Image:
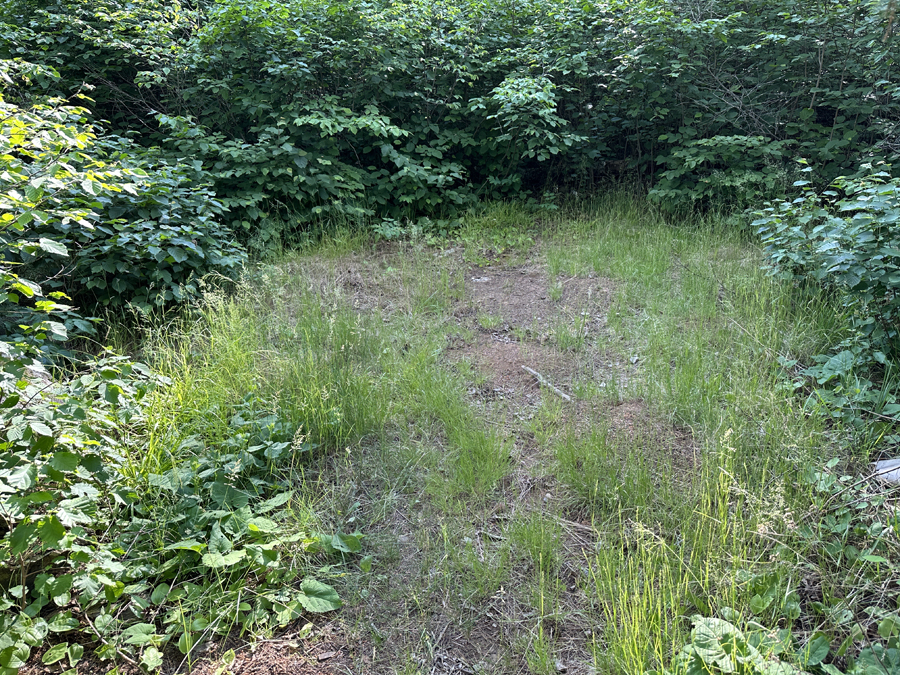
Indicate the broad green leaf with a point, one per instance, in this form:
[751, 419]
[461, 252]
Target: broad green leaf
[815, 650]
[53, 247]
[75, 653]
[217, 560]
[346, 543]
[22, 537]
[177, 254]
[151, 659]
[273, 503]
[187, 545]
[63, 623]
[318, 597]
[35, 634]
[160, 593]
[186, 642]
[15, 657]
[838, 365]
[56, 653]
[227, 496]
[41, 429]
[140, 634]
[59, 589]
[889, 626]
[259, 524]
[22, 477]
[760, 603]
[65, 461]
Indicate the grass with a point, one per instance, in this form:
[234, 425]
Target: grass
[535, 533]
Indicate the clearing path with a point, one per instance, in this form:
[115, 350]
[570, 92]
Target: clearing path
[571, 424]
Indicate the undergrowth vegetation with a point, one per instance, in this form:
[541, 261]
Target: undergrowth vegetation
[157, 510]
[282, 211]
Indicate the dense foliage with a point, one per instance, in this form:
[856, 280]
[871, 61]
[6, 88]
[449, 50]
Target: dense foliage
[846, 239]
[399, 110]
[106, 222]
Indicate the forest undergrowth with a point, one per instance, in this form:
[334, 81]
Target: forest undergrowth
[667, 502]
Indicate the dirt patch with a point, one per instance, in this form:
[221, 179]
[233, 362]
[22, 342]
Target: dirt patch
[526, 297]
[481, 648]
[633, 421]
[431, 630]
[411, 611]
[326, 654]
[501, 359]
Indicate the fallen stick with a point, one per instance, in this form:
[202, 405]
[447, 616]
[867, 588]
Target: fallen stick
[540, 378]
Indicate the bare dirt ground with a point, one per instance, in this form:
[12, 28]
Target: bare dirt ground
[323, 652]
[501, 319]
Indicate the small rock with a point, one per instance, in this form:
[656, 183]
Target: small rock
[888, 470]
[404, 539]
[324, 656]
[560, 666]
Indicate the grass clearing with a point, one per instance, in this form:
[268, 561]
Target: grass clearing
[512, 530]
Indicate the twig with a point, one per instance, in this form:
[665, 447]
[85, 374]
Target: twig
[90, 623]
[540, 378]
[578, 526]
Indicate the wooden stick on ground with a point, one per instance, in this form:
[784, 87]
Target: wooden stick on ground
[540, 378]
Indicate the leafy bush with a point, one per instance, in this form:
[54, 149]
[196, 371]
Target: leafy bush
[725, 171]
[97, 218]
[847, 239]
[151, 244]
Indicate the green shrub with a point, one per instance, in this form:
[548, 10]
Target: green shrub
[150, 245]
[399, 110]
[723, 171]
[846, 239]
[96, 218]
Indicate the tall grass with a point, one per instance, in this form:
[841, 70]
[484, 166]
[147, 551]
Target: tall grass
[680, 524]
[336, 374]
[709, 327]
